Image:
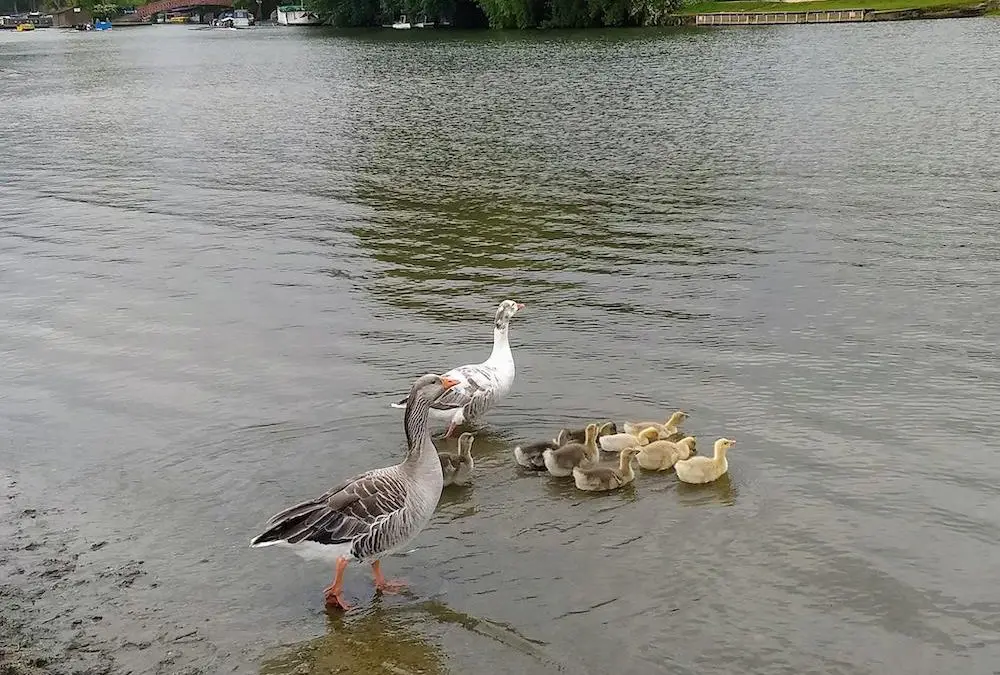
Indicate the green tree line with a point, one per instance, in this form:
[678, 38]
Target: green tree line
[461, 13]
[100, 8]
[500, 13]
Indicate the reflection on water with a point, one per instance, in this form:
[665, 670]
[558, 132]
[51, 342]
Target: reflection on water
[457, 501]
[444, 254]
[463, 216]
[721, 492]
[382, 641]
[408, 640]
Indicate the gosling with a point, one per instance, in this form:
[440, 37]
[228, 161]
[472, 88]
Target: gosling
[456, 468]
[662, 455]
[666, 430]
[705, 469]
[602, 478]
[561, 461]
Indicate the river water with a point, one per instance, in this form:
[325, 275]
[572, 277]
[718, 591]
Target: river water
[224, 253]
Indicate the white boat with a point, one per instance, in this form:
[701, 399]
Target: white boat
[239, 18]
[402, 24]
[297, 15]
[425, 23]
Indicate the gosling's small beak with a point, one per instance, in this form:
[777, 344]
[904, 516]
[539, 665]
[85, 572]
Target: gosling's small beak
[448, 382]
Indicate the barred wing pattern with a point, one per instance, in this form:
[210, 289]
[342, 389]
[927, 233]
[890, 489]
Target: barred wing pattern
[478, 388]
[367, 510]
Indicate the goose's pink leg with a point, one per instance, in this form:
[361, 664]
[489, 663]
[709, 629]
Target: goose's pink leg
[384, 585]
[334, 592]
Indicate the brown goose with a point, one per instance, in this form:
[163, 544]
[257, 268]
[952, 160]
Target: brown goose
[373, 514]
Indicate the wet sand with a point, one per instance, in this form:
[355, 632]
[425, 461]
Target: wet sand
[69, 609]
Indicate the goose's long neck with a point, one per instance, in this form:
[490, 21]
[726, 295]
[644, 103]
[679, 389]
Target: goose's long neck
[719, 454]
[501, 344]
[418, 435]
[628, 473]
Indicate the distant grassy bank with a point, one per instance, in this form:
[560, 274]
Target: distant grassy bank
[878, 5]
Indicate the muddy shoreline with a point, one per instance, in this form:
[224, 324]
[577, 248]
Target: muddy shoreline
[72, 606]
[69, 610]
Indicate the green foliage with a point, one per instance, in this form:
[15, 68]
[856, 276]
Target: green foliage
[56, 5]
[99, 9]
[378, 12]
[510, 13]
[575, 13]
[348, 12]
[104, 10]
[499, 13]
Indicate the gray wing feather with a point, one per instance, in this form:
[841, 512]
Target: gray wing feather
[479, 404]
[355, 510]
[612, 478]
[477, 382]
[602, 473]
[534, 453]
[308, 506]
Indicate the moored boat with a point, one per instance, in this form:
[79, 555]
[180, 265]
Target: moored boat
[237, 18]
[297, 15]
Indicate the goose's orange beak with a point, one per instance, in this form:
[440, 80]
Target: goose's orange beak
[448, 382]
[520, 306]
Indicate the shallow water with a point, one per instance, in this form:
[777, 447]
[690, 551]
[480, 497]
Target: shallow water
[227, 252]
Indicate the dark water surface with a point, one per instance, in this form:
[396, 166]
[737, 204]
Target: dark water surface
[227, 252]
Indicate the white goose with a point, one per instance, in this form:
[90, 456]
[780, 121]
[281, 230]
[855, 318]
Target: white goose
[373, 514]
[481, 385]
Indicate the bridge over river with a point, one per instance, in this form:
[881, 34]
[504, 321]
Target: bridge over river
[145, 12]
